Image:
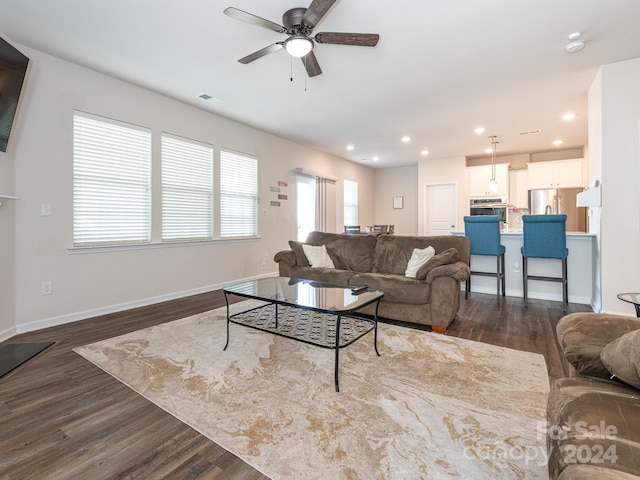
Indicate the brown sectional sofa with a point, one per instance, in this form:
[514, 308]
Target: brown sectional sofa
[380, 261]
[594, 416]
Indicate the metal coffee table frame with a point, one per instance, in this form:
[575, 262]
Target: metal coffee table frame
[283, 291]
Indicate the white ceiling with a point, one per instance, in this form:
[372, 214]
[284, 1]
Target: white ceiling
[441, 67]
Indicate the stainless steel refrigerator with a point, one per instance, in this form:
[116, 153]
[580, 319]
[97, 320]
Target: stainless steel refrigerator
[559, 201]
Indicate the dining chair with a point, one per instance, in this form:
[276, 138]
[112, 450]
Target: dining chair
[352, 229]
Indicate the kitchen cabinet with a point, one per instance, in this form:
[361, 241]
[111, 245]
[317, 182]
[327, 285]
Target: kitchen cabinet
[518, 188]
[557, 174]
[478, 181]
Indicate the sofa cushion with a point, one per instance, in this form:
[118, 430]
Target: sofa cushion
[588, 417]
[348, 252]
[418, 258]
[450, 255]
[301, 258]
[327, 275]
[317, 256]
[583, 335]
[392, 252]
[591, 472]
[396, 288]
[622, 358]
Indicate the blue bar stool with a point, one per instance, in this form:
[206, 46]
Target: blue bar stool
[545, 236]
[484, 233]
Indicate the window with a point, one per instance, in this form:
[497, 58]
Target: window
[187, 189]
[350, 202]
[238, 195]
[111, 182]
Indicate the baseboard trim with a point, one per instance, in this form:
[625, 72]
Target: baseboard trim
[7, 334]
[96, 312]
[533, 295]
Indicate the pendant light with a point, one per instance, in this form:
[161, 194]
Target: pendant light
[493, 184]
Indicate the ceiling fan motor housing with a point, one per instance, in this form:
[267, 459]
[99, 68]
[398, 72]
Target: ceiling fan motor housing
[293, 17]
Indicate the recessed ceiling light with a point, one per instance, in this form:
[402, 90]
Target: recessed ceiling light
[479, 130]
[406, 139]
[350, 147]
[575, 44]
[375, 159]
[424, 153]
[557, 142]
[567, 117]
[488, 150]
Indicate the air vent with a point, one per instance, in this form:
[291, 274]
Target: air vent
[531, 132]
[209, 98]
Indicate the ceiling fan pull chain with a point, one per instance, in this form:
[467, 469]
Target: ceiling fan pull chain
[304, 60]
[291, 66]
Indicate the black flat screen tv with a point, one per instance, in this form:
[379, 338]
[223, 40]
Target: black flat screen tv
[13, 68]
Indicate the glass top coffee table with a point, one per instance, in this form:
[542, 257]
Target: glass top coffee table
[316, 313]
[631, 298]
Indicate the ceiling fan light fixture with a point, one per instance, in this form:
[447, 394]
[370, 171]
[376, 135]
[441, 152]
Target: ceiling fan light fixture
[298, 45]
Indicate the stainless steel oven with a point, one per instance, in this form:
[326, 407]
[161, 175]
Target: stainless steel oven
[489, 206]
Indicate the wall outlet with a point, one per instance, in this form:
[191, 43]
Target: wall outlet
[516, 266]
[46, 288]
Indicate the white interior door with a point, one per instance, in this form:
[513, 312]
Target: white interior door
[441, 209]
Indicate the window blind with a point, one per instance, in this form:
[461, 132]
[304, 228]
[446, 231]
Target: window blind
[238, 195]
[187, 189]
[111, 182]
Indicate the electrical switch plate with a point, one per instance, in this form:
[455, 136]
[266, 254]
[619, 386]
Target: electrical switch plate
[46, 209]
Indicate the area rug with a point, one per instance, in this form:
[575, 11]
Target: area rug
[430, 407]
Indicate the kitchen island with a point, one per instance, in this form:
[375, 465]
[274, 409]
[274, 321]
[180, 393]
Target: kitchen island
[580, 265]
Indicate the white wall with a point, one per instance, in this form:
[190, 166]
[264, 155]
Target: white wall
[618, 146]
[397, 182]
[92, 283]
[7, 244]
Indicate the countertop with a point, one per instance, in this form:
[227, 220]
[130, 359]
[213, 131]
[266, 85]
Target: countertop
[518, 232]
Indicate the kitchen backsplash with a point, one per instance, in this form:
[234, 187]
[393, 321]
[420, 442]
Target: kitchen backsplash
[514, 219]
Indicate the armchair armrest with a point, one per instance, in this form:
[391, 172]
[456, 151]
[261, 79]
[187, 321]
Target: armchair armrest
[459, 271]
[286, 260]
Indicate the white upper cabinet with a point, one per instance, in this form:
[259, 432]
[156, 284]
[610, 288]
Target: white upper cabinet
[478, 180]
[518, 188]
[558, 174]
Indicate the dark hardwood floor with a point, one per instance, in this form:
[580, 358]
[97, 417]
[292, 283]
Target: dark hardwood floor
[62, 418]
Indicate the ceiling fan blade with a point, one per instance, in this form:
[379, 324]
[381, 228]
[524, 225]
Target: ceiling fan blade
[253, 19]
[357, 39]
[316, 11]
[261, 53]
[311, 64]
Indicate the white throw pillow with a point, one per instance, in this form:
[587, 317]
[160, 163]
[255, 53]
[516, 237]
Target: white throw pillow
[317, 256]
[418, 259]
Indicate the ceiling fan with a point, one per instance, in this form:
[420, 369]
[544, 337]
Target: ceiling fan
[298, 24]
